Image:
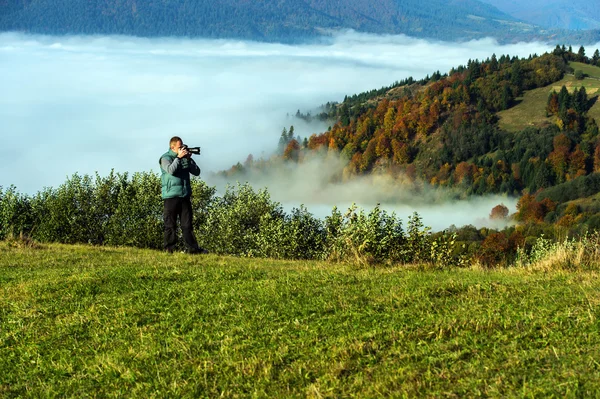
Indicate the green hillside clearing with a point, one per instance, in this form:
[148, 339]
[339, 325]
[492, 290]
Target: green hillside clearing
[589, 70]
[112, 322]
[531, 109]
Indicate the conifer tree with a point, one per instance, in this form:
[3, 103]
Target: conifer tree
[283, 141]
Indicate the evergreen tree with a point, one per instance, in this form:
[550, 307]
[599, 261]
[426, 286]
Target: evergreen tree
[507, 97]
[283, 141]
[544, 177]
[581, 54]
[517, 76]
[580, 101]
[558, 51]
[494, 63]
[564, 99]
[344, 114]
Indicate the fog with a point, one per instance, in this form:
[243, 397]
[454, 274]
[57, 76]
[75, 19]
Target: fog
[91, 104]
[317, 184]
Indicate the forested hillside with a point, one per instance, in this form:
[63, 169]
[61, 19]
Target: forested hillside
[443, 131]
[285, 20]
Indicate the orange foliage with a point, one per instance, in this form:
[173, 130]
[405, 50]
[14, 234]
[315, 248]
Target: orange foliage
[493, 249]
[499, 212]
[531, 210]
[464, 170]
[291, 152]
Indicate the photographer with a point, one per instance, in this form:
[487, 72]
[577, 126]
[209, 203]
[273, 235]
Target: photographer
[176, 166]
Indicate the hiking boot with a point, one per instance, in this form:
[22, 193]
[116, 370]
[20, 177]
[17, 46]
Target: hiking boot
[197, 251]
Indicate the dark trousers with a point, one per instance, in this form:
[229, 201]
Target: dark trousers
[182, 208]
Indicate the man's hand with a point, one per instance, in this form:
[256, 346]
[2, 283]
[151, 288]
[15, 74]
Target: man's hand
[182, 152]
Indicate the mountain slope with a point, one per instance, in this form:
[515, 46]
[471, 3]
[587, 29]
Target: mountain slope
[283, 20]
[562, 14]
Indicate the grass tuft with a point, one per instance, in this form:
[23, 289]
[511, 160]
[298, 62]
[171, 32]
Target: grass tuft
[568, 254]
[22, 241]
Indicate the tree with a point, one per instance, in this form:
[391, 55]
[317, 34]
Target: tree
[543, 178]
[494, 250]
[579, 75]
[552, 104]
[564, 99]
[577, 163]
[283, 141]
[499, 212]
[493, 63]
[291, 152]
[580, 100]
[581, 54]
[517, 76]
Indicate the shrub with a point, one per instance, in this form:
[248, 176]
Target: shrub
[233, 222]
[137, 217]
[296, 236]
[15, 213]
[119, 210]
[365, 239]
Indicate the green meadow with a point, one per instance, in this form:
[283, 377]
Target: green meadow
[531, 108]
[82, 321]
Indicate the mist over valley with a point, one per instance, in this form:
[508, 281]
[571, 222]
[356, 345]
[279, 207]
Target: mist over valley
[86, 104]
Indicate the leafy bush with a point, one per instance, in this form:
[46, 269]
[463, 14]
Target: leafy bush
[233, 221]
[137, 218]
[15, 213]
[122, 210]
[296, 236]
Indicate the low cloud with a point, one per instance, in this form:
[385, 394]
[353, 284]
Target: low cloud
[319, 184]
[85, 104]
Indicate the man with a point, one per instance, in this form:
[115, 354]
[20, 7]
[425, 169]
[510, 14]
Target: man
[176, 166]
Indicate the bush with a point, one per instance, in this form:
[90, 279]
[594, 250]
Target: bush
[119, 210]
[15, 213]
[233, 221]
[137, 218]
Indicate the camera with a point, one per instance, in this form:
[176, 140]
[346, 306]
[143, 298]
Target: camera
[191, 150]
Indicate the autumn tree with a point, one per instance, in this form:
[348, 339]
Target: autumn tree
[292, 151]
[494, 250]
[499, 212]
[552, 104]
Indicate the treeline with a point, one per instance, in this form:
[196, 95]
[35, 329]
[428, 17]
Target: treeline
[568, 54]
[285, 20]
[122, 210]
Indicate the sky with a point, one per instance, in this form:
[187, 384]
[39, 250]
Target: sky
[87, 104]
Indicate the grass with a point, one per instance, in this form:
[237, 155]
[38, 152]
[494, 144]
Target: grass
[531, 109]
[114, 322]
[589, 70]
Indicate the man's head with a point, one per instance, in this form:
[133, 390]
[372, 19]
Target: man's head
[175, 143]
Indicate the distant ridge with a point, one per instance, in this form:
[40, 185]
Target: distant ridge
[283, 20]
[557, 14]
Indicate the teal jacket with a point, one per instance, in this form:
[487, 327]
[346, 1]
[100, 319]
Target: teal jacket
[175, 177]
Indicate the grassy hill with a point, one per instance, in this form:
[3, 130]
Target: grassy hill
[116, 322]
[531, 108]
